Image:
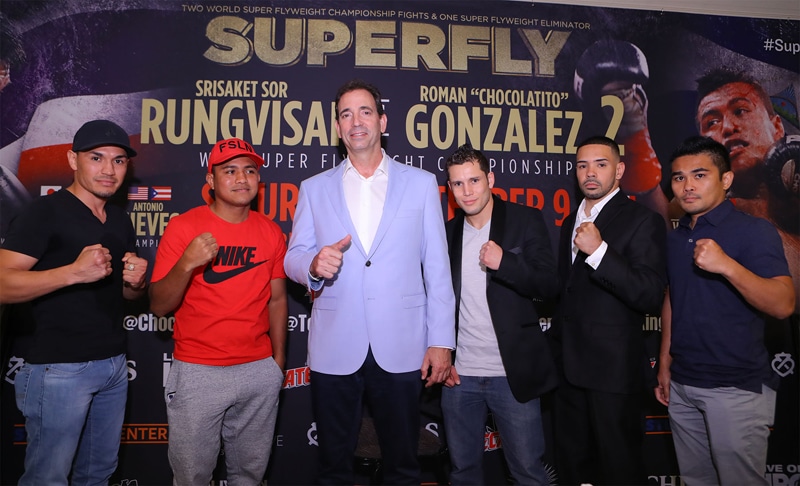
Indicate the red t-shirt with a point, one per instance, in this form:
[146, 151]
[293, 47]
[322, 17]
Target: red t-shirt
[224, 318]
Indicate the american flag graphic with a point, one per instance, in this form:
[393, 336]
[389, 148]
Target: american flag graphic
[138, 193]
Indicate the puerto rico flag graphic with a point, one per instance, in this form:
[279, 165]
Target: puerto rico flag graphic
[161, 193]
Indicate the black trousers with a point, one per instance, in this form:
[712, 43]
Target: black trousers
[393, 400]
[598, 437]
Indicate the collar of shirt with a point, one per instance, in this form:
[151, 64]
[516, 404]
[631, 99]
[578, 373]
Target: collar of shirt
[484, 229]
[713, 217]
[351, 171]
[598, 206]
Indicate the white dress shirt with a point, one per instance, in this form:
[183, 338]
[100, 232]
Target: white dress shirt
[365, 197]
[596, 257]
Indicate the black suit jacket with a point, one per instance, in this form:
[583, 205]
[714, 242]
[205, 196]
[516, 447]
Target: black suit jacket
[598, 322]
[527, 271]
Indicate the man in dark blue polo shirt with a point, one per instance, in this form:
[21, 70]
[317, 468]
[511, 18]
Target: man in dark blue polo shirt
[726, 272]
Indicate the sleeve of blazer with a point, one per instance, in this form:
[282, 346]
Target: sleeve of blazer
[529, 269]
[440, 317]
[637, 276]
[303, 242]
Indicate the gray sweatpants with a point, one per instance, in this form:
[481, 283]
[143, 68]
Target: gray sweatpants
[237, 404]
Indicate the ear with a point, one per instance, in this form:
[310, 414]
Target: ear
[210, 179]
[620, 169]
[490, 176]
[72, 157]
[778, 124]
[384, 121]
[727, 180]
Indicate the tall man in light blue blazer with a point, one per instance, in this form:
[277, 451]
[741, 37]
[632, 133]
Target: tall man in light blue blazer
[368, 239]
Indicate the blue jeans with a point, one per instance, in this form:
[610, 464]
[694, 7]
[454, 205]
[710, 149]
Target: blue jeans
[465, 409]
[73, 420]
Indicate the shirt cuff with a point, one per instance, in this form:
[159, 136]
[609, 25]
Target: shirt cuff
[596, 257]
[314, 283]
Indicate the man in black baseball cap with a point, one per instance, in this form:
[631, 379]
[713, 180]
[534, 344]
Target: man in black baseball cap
[73, 257]
[101, 132]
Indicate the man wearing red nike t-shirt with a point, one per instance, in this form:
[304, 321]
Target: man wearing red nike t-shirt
[220, 268]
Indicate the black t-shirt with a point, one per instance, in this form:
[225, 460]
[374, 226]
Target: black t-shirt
[80, 322]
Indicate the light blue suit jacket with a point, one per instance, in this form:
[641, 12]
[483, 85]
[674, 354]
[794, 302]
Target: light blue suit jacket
[398, 298]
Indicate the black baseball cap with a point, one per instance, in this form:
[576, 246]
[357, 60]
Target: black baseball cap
[97, 133]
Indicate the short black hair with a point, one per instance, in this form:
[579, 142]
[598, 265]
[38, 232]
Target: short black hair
[355, 84]
[601, 140]
[464, 154]
[719, 77]
[697, 145]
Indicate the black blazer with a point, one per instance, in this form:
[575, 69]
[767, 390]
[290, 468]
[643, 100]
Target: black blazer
[598, 322]
[527, 271]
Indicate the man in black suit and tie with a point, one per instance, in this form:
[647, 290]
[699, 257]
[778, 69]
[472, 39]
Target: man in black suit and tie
[612, 272]
[500, 259]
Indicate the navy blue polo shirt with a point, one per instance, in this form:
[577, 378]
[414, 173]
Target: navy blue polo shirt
[717, 337]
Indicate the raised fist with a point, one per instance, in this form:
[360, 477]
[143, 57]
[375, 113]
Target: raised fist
[783, 166]
[606, 62]
[783, 180]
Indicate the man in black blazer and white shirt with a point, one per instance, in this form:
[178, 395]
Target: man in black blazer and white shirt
[501, 259]
[612, 272]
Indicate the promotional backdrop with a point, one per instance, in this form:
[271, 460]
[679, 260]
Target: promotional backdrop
[178, 76]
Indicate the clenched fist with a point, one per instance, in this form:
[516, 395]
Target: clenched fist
[587, 238]
[709, 256]
[491, 254]
[93, 264]
[201, 250]
[133, 270]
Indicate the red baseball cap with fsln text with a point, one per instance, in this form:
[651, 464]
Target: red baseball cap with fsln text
[230, 148]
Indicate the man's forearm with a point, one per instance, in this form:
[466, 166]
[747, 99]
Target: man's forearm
[167, 293]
